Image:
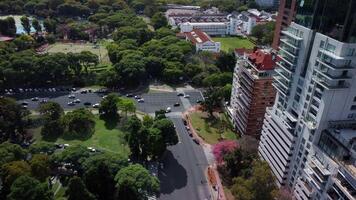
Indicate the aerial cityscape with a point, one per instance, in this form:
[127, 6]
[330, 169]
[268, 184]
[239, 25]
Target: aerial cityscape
[177, 99]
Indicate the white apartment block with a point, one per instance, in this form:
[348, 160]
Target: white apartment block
[309, 135]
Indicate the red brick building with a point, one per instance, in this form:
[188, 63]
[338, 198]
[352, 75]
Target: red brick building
[286, 14]
[252, 91]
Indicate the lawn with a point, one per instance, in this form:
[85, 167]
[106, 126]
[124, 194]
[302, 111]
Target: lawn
[99, 50]
[212, 130]
[104, 138]
[230, 43]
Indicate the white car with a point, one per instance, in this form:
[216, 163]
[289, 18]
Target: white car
[168, 109]
[71, 96]
[96, 105]
[141, 100]
[66, 145]
[77, 101]
[186, 96]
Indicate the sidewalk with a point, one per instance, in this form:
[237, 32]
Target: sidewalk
[218, 192]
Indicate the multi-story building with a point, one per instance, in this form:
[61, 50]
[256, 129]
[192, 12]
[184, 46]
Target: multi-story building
[202, 41]
[308, 136]
[286, 13]
[252, 91]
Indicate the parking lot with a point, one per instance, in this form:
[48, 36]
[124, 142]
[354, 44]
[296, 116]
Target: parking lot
[152, 101]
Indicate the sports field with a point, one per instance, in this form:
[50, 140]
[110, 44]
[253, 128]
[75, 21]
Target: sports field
[230, 43]
[99, 49]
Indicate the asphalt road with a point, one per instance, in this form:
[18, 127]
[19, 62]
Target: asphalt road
[183, 175]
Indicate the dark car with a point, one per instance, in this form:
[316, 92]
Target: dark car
[176, 104]
[190, 134]
[129, 95]
[180, 94]
[25, 103]
[184, 122]
[87, 103]
[196, 141]
[199, 101]
[84, 91]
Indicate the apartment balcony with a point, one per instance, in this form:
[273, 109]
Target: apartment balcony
[283, 81]
[343, 189]
[332, 84]
[290, 43]
[333, 66]
[280, 90]
[327, 74]
[291, 60]
[290, 51]
[282, 73]
[284, 65]
[291, 36]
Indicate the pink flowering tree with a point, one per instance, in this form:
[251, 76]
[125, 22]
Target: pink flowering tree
[222, 148]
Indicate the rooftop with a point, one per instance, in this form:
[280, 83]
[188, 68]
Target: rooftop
[263, 59]
[198, 36]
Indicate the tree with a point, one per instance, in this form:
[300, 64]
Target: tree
[77, 190]
[79, 123]
[155, 144]
[158, 20]
[51, 111]
[127, 106]
[36, 25]
[11, 171]
[51, 130]
[75, 155]
[168, 131]
[259, 186]
[11, 121]
[136, 181]
[222, 148]
[25, 22]
[226, 61]
[108, 106]
[24, 42]
[50, 25]
[28, 188]
[131, 68]
[134, 137]
[11, 152]
[264, 33]
[218, 79]
[87, 59]
[42, 147]
[100, 181]
[212, 100]
[40, 166]
[8, 26]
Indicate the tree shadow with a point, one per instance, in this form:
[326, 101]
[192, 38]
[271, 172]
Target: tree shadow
[173, 176]
[110, 121]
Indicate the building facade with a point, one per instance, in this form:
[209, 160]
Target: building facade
[252, 91]
[202, 41]
[308, 136]
[286, 14]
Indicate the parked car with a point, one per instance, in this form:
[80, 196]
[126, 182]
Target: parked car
[71, 96]
[70, 103]
[25, 103]
[180, 94]
[190, 134]
[186, 96]
[177, 104]
[43, 101]
[77, 101]
[185, 122]
[199, 101]
[96, 105]
[141, 100]
[87, 103]
[129, 95]
[137, 97]
[196, 141]
[34, 99]
[187, 127]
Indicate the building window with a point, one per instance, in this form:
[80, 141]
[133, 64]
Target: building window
[353, 107]
[322, 44]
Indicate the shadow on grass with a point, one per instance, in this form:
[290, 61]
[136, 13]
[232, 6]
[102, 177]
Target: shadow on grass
[111, 121]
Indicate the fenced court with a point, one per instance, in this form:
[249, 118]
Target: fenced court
[97, 49]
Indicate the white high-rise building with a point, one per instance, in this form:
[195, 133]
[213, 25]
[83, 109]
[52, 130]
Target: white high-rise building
[309, 135]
